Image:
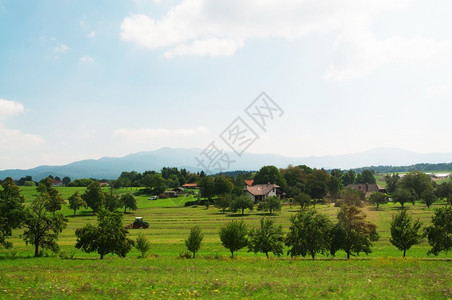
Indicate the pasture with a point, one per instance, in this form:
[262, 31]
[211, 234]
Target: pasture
[162, 274]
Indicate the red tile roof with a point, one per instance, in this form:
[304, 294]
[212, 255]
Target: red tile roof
[261, 189]
[249, 182]
[187, 185]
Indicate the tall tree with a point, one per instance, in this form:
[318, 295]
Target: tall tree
[353, 233]
[109, 236]
[55, 200]
[334, 185]
[349, 177]
[207, 187]
[267, 238]
[270, 174]
[11, 210]
[366, 176]
[429, 197]
[317, 184]
[391, 182]
[94, 197]
[233, 236]
[42, 228]
[155, 182]
[66, 180]
[222, 185]
[439, 233]
[309, 233]
[76, 202]
[129, 201]
[418, 182]
[405, 233]
[444, 190]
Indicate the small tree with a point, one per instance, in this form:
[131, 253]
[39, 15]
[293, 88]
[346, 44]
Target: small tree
[129, 201]
[439, 233]
[309, 233]
[94, 197]
[109, 236]
[42, 229]
[223, 202]
[11, 210]
[55, 200]
[193, 243]
[303, 200]
[242, 203]
[270, 204]
[233, 236]
[378, 198]
[142, 244]
[429, 198]
[267, 238]
[405, 233]
[76, 202]
[403, 195]
[112, 201]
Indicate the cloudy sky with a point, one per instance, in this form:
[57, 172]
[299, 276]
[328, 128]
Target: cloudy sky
[87, 79]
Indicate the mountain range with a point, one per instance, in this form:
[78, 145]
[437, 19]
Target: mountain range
[111, 167]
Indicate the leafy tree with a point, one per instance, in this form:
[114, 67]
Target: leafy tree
[439, 233]
[109, 236]
[267, 238]
[112, 202]
[317, 184]
[378, 198]
[403, 195]
[22, 180]
[334, 185]
[366, 176]
[224, 201]
[142, 244]
[42, 228]
[55, 200]
[444, 190]
[155, 182]
[222, 185]
[242, 203]
[270, 204]
[270, 174]
[207, 187]
[429, 197]
[309, 233]
[193, 243]
[129, 201]
[66, 180]
[29, 183]
[76, 202]
[352, 233]
[351, 196]
[349, 177]
[391, 182]
[94, 197]
[303, 200]
[417, 182]
[405, 233]
[233, 236]
[11, 210]
[296, 179]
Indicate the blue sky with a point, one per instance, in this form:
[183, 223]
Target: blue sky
[88, 79]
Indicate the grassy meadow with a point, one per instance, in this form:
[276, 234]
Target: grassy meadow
[162, 274]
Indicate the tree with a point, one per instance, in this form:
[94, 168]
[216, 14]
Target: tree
[222, 185]
[142, 244]
[317, 184]
[193, 243]
[351, 196]
[303, 200]
[378, 198]
[42, 229]
[128, 201]
[76, 202]
[55, 200]
[403, 195]
[94, 197]
[417, 182]
[267, 238]
[242, 203]
[352, 233]
[109, 236]
[405, 233]
[233, 236]
[270, 204]
[155, 182]
[444, 190]
[349, 178]
[366, 176]
[309, 233]
[207, 187]
[429, 197]
[224, 201]
[270, 174]
[334, 185]
[112, 201]
[11, 210]
[391, 182]
[66, 180]
[439, 233]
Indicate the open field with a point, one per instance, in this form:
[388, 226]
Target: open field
[382, 274]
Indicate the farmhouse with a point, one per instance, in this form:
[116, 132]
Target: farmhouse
[259, 192]
[367, 188]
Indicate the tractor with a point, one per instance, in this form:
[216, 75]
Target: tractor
[138, 223]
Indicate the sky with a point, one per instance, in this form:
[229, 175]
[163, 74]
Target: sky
[90, 79]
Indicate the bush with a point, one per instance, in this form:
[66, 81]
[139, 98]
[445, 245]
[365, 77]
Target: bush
[142, 245]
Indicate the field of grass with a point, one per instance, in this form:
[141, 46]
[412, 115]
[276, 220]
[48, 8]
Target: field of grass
[382, 274]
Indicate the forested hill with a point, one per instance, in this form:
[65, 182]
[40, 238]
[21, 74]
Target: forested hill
[415, 167]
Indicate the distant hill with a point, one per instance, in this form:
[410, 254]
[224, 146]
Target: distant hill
[111, 167]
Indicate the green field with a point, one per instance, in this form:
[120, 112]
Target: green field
[382, 274]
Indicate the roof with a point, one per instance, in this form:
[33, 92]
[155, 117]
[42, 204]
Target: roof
[365, 187]
[260, 189]
[190, 185]
[249, 182]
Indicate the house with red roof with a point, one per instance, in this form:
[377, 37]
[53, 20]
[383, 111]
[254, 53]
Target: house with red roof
[259, 192]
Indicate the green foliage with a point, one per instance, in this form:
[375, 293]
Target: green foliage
[334, 185]
[193, 243]
[270, 204]
[366, 176]
[142, 244]
[128, 201]
[444, 190]
[267, 238]
[207, 187]
[403, 195]
[233, 236]
[55, 200]
[349, 178]
[317, 184]
[155, 182]
[378, 198]
[391, 182]
[429, 197]
[11, 210]
[240, 203]
[270, 174]
[112, 202]
[405, 233]
[224, 201]
[82, 182]
[439, 233]
[109, 236]
[303, 199]
[66, 180]
[222, 185]
[417, 182]
[76, 202]
[94, 197]
[351, 196]
[353, 233]
[309, 233]
[42, 229]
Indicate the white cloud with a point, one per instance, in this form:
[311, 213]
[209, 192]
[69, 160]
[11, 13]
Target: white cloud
[202, 27]
[91, 35]
[441, 90]
[86, 59]
[12, 139]
[152, 133]
[10, 108]
[61, 48]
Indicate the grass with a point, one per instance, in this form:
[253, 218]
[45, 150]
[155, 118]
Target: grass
[382, 274]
